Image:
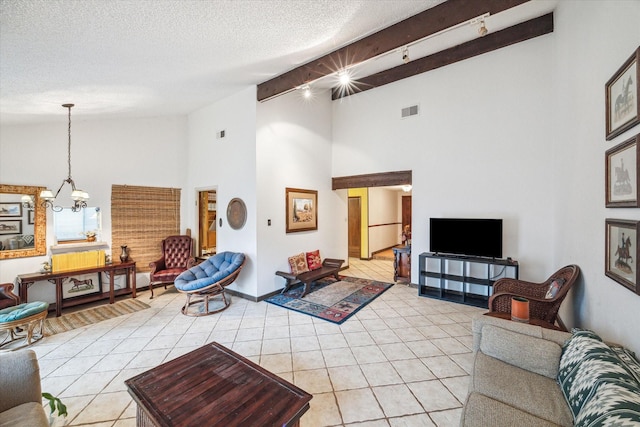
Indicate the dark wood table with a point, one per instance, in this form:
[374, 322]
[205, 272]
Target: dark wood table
[532, 321]
[213, 386]
[402, 264]
[128, 268]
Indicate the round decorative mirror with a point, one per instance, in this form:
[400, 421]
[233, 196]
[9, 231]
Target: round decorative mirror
[236, 213]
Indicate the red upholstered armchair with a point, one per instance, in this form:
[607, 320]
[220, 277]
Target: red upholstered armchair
[7, 297]
[177, 256]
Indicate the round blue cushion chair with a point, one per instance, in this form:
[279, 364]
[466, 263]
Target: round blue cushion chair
[208, 279]
[30, 315]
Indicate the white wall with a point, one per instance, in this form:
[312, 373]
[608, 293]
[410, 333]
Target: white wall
[228, 164]
[475, 149]
[294, 150]
[586, 59]
[147, 152]
[384, 232]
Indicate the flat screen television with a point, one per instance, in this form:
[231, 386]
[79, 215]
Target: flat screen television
[466, 236]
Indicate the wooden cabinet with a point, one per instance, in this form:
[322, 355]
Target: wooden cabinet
[402, 264]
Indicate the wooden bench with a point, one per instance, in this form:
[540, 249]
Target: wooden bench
[330, 267]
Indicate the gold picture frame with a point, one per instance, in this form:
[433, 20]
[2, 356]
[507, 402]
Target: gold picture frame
[301, 210]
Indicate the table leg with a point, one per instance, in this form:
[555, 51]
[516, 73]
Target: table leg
[59, 296]
[133, 281]
[23, 291]
[111, 284]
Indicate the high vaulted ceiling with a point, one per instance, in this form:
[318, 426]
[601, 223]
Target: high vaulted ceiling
[140, 58]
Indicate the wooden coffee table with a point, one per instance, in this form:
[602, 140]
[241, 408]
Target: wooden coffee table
[214, 386]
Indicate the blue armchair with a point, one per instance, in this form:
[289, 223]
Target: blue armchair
[208, 279]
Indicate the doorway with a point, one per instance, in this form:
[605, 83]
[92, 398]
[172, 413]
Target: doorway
[207, 212]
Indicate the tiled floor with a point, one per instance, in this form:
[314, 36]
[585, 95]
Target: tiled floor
[401, 361]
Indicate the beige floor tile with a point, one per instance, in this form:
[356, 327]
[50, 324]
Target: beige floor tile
[379, 374]
[304, 360]
[275, 346]
[105, 407]
[347, 378]
[358, 405]
[368, 354]
[357, 339]
[419, 420]
[433, 395]
[313, 381]
[304, 343]
[443, 366]
[448, 418]
[397, 400]
[276, 363]
[412, 370]
[450, 345]
[328, 342]
[397, 351]
[338, 357]
[323, 411]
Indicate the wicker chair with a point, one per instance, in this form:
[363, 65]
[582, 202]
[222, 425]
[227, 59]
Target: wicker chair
[540, 307]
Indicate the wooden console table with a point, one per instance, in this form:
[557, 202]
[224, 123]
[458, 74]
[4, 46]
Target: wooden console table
[402, 264]
[214, 386]
[128, 268]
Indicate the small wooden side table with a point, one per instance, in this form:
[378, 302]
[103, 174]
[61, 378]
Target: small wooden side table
[402, 264]
[213, 386]
[532, 321]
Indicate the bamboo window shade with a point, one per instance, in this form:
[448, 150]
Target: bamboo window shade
[141, 217]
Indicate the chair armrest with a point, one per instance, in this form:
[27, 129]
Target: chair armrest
[191, 262]
[6, 293]
[332, 262]
[19, 379]
[157, 265]
[288, 276]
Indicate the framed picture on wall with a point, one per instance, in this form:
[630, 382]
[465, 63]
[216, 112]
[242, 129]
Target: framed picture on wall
[302, 210]
[10, 226]
[31, 216]
[622, 92]
[10, 210]
[81, 284]
[622, 177]
[621, 252]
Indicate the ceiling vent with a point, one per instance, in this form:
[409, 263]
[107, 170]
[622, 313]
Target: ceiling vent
[409, 111]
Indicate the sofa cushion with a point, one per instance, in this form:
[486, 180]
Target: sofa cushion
[483, 411]
[298, 263]
[586, 363]
[531, 353]
[28, 414]
[612, 403]
[529, 392]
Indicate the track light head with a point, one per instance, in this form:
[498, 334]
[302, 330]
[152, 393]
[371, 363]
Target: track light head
[405, 55]
[483, 29]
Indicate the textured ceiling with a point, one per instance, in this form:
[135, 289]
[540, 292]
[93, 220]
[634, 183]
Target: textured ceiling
[144, 58]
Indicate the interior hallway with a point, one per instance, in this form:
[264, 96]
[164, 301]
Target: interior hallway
[403, 360]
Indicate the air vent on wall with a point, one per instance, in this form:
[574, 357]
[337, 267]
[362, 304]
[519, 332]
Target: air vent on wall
[409, 111]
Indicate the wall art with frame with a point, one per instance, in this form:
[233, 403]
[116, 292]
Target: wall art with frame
[81, 284]
[622, 175]
[10, 226]
[301, 210]
[621, 252]
[10, 210]
[622, 92]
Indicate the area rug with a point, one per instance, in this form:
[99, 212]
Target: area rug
[67, 322]
[331, 300]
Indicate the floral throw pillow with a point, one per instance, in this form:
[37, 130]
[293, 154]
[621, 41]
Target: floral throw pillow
[298, 263]
[313, 260]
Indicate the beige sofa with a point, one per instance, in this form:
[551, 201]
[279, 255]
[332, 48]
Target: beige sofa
[20, 390]
[521, 374]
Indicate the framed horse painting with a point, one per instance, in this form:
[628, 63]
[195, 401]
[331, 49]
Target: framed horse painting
[81, 284]
[622, 93]
[622, 174]
[621, 252]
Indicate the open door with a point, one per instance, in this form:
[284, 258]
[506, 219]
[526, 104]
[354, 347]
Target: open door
[207, 222]
[354, 227]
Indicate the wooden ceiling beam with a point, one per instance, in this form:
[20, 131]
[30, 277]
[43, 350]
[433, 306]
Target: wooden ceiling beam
[383, 179]
[417, 27]
[527, 30]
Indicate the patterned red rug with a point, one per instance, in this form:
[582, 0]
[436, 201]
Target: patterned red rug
[331, 300]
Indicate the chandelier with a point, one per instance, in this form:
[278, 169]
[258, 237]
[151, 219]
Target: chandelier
[79, 197]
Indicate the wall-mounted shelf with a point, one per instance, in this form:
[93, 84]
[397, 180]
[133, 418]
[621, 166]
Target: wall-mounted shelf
[465, 280]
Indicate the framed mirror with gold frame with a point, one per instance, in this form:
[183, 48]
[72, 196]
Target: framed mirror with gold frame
[23, 222]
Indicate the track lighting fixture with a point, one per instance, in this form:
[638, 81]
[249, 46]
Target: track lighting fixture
[483, 29]
[405, 54]
[344, 78]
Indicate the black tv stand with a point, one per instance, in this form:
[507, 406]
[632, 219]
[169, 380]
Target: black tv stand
[463, 279]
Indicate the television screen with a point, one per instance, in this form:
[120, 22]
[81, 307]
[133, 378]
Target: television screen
[466, 236]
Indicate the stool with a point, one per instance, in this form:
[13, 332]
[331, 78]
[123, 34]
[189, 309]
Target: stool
[27, 315]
